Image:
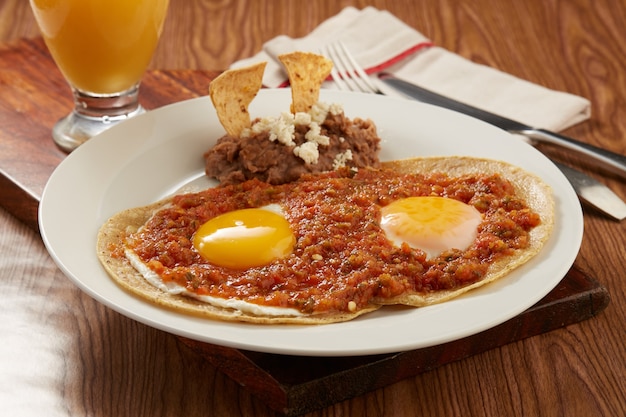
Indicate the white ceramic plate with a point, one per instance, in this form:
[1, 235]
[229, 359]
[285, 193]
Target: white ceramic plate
[146, 158]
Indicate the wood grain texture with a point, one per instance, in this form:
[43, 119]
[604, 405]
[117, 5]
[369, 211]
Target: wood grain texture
[296, 385]
[63, 354]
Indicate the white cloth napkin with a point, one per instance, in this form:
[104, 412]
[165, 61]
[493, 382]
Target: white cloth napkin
[380, 41]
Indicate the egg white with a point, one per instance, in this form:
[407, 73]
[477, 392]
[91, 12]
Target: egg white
[173, 288]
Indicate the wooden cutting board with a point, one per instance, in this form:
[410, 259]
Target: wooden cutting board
[34, 95]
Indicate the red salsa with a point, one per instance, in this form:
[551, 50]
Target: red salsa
[341, 254]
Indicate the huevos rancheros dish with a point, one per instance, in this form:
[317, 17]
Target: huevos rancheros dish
[328, 244]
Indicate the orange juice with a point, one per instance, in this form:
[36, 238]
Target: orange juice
[101, 46]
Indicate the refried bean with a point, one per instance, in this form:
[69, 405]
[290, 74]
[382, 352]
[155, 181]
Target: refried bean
[351, 143]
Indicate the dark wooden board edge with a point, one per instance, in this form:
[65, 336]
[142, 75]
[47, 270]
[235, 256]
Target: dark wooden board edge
[18, 201]
[294, 385]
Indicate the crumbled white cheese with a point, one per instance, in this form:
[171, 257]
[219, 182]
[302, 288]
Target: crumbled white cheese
[282, 129]
[308, 152]
[315, 135]
[341, 159]
[318, 112]
[335, 109]
[302, 118]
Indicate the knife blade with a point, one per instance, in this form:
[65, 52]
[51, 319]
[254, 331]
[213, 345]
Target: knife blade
[588, 189]
[594, 193]
[611, 161]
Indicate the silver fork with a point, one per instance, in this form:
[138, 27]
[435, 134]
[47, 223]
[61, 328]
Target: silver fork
[347, 73]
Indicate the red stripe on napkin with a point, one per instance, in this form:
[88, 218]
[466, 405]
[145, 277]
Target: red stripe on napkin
[398, 57]
[386, 64]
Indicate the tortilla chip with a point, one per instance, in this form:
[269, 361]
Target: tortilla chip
[307, 72]
[231, 94]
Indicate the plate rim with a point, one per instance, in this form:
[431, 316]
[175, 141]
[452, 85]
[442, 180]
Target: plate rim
[138, 149]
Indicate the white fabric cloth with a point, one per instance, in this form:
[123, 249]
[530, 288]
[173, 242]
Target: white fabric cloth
[380, 41]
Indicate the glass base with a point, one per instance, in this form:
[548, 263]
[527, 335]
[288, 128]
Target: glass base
[93, 114]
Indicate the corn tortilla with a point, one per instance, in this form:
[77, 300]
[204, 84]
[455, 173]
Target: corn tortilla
[537, 195]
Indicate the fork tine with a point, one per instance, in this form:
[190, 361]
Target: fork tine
[365, 82]
[343, 68]
[346, 72]
[333, 72]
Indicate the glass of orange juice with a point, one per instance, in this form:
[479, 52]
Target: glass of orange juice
[102, 47]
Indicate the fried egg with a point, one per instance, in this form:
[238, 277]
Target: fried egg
[245, 238]
[238, 239]
[432, 224]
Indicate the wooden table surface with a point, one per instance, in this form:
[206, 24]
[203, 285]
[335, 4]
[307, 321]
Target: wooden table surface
[64, 354]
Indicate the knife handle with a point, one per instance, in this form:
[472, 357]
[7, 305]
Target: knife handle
[612, 161]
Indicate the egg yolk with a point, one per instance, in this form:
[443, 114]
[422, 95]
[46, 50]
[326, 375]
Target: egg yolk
[432, 224]
[245, 238]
